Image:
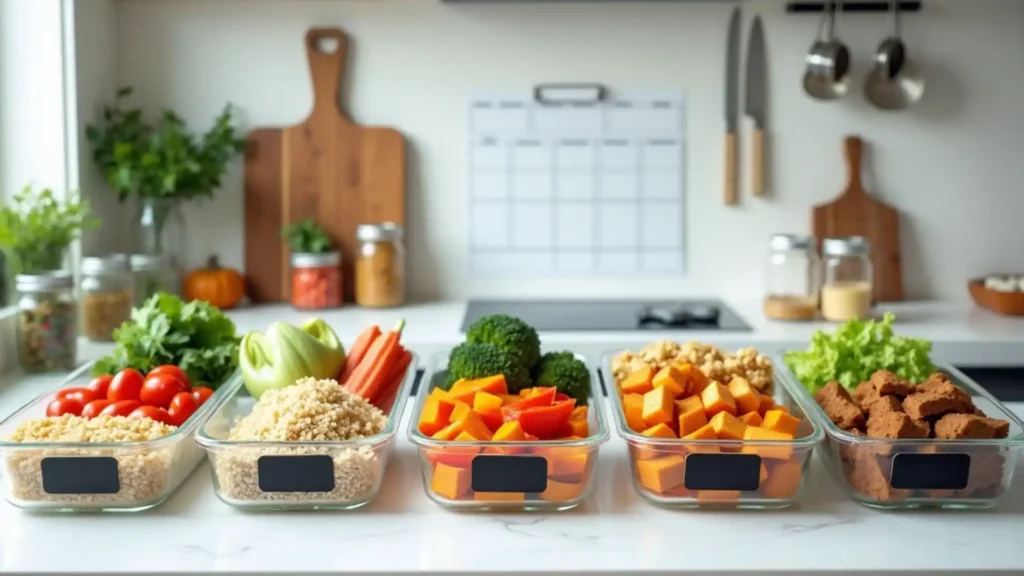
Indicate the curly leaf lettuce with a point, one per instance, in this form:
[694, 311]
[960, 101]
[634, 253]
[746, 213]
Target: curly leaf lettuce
[856, 350]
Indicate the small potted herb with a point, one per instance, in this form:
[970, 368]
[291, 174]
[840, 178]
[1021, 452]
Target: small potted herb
[316, 268]
[162, 164]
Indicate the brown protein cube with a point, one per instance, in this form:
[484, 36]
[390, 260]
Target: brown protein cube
[884, 404]
[986, 473]
[865, 394]
[1001, 427]
[840, 408]
[937, 380]
[957, 426]
[936, 401]
[888, 383]
[868, 474]
[895, 425]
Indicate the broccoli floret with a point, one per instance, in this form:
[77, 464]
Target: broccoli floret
[565, 372]
[509, 333]
[479, 359]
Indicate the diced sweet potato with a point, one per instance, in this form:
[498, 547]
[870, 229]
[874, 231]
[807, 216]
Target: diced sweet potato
[499, 496]
[633, 406]
[459, 456]
[449, 432]
[494, 384]
[580, 428]
[781, 422]
[474, 426]
[659, 431]
[746, 396]
[696, 381]
[784, 479]
[436, 415]
[716, 398]
[727, 426]
[661, 474]
[461, 410]
[510, 431]
[766, 403]
[579, 413]
[450, 482]
[658, 406]
[672, 378]
[781, 452]
[691, 417]
[638, 382]
[705, 432]
[752, 419]
[562, 491]
[567, 466]
[715, 496]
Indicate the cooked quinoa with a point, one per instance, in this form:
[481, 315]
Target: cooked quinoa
[69, 428]
[309, 411]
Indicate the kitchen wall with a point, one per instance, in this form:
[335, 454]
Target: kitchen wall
[953, 165]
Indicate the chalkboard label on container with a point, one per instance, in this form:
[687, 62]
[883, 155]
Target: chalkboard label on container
[930, 471]
[80, 475]
[493, 473]
[314, 473]
[722, 472]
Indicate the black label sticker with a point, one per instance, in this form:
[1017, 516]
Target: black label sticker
[296, 473]
[80, 475]
[930, 471]
[492, 473]
[722, 472]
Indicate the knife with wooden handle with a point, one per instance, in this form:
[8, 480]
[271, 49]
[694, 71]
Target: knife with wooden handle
[732, 106]
[755, 103]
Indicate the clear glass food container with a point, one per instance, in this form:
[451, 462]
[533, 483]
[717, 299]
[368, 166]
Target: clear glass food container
[107, 295]
[510, 476]
[719, 473]
[316, 280]
[96, 477]
[47, 332]
[153, 273]
[380, 266]
[922, 473]
[296, 475]
[793, 278]
[846, 293]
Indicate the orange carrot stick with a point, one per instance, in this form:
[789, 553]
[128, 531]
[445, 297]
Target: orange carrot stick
[387, 401]
[382, 353]
[394, 377]
[358, 351]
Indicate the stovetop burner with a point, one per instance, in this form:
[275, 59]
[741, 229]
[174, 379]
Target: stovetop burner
[611, 315]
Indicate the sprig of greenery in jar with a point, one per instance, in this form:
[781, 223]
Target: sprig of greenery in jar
[36, 230]
[306, 237]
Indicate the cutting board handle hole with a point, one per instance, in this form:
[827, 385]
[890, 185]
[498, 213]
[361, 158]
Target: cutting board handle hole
[326, 45]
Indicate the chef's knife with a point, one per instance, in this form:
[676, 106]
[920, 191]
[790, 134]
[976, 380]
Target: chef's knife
[755, 107]
[732, 104]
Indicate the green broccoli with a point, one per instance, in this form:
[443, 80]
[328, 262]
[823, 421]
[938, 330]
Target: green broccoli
[565, 372]
[509, 333]
[479, 359]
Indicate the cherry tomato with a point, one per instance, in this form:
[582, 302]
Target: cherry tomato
[172, 370]
[151, 412]
[64, 406]
[201, 394]
[120, 408]
[99, 385]
[182, 406]
[159, 389]
[126, 385]
[93, 409]
[81, 395]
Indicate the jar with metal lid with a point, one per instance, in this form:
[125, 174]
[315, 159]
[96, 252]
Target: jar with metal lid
[847, 291]
[107, 295]
[380, 265]
[316, 280]
[47, 329]
[152, 273]
[793, 278]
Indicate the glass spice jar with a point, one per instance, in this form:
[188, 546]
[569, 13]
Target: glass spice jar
[152, 273]
[793, 278]
[380, 265]
[47, 334]
[107, 296]
[316, 280]
[847, 291]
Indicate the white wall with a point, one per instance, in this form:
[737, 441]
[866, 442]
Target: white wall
[953, 165]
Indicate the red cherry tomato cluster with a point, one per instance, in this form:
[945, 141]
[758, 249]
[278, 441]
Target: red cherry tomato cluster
[165, 395]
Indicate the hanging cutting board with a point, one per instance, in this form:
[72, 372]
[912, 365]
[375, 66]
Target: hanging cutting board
[856, 213]
[327, 169]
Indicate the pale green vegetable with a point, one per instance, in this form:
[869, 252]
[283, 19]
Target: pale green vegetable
[285, 353]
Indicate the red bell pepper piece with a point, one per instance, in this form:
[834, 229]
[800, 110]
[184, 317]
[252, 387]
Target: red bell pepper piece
[541, 398]
[546, 421]
[561, 397]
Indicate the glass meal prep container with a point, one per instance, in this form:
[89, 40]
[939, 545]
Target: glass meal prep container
[508, 476]
[921, 473]
[719, 473]
[92, 476]
[320, 475]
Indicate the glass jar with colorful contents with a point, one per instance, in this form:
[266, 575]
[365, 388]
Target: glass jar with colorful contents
[316, 280]
[47, 329]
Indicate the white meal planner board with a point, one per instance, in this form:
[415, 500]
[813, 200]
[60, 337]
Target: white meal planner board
[590, 188]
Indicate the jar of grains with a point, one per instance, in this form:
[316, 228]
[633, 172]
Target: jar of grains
[47, 322]
[152, 273]
[107, 295]
[847, 291]
[380, 265]
[316, 280]
[793, 278]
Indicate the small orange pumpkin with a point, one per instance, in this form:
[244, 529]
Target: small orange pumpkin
[222, 287]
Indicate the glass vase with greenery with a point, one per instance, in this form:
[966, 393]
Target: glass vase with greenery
[36, 230]
[162, 164]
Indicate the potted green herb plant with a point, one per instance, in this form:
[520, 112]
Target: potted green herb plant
[162, 165]
[316, 268]
[36, 230]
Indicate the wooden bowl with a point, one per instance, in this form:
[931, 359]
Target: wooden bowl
[1007, 303]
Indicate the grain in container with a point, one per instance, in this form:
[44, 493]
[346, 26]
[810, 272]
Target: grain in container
[107, 295]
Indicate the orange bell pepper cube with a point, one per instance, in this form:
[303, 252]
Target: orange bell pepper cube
[547, 421]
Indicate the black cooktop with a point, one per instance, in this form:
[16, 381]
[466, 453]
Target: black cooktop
[592, 315]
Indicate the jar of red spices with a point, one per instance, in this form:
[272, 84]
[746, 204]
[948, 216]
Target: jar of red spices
[316, 280]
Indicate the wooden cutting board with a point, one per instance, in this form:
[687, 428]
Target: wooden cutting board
[856, 213]
[327, 169]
